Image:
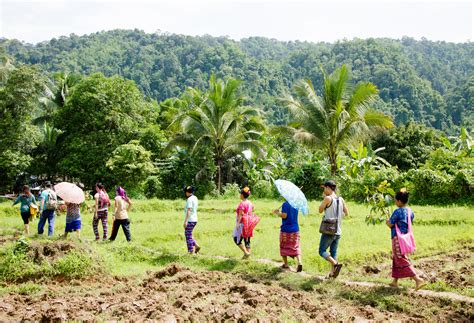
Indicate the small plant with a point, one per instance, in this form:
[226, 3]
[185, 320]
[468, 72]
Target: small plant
[380, 202]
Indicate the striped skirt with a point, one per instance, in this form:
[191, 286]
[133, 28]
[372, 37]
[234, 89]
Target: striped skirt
[290, 244]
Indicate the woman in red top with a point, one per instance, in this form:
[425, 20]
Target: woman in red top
[245, 222]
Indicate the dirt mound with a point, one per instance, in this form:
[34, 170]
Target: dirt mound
[40, 251]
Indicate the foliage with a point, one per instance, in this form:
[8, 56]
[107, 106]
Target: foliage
[419, 80]
[407, 146]
[112, 112]
[219, 119]
[363, 159]
[153, 187]
[337, 118]
[380, 202]
[130, 164]
[20, 88]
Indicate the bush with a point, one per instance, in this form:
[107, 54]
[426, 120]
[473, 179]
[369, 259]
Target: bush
[153, 187]
[264, 189]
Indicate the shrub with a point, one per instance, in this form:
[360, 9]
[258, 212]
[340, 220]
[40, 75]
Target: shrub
[264, 189]
[153, 187]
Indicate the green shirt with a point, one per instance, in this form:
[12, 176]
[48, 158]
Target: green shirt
[25, 202]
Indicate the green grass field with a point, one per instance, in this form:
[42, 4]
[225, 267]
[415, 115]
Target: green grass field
[157, 226]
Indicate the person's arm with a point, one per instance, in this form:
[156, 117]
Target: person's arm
[188, 214]
[96, 207]
[42, 203]
[391, 222]
[129, 204]
[18, 199]
[345, 210]
[240, 212]
[116, 208]
[327, 201]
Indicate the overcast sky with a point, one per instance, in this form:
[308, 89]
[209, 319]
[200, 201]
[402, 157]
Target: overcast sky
[312, 20]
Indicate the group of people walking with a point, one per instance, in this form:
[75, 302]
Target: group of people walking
[333, 206]
[49, 204]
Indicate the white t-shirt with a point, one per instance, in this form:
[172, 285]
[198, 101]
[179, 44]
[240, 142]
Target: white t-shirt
[191, 203]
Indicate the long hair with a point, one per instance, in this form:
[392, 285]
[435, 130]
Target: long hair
[122, 193]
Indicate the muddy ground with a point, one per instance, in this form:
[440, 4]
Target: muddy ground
[177, 294]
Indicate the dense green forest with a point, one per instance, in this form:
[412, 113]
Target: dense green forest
[155, 112]
[431, 83]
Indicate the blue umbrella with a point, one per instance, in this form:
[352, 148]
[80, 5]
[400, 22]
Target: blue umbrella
[292, 194]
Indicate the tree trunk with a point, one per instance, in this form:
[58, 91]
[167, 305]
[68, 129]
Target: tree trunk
[219, 175]
[333, 161]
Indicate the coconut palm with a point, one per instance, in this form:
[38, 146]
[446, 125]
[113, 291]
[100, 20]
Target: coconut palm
[218, 119]
[341, 115]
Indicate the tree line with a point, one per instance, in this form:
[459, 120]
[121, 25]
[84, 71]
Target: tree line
[94, 127]
[423, 81]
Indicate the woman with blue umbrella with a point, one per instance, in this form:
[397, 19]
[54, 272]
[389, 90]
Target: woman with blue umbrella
[289, 230]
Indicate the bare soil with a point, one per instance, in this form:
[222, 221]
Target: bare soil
[177, 293]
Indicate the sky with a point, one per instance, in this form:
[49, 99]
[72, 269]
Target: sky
[34, 21]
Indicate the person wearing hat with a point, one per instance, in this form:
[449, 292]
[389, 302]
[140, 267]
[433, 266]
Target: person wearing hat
[49, 202]
[333, 207]
[190, 219]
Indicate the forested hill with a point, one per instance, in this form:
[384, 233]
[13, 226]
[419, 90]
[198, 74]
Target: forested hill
[431, 82]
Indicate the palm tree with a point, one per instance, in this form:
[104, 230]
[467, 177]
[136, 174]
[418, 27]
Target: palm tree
[218, 119]
[343, 113]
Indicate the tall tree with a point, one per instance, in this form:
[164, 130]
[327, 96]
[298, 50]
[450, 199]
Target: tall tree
[219, 119]
[100, 114]
[20, 87]
[331, 121]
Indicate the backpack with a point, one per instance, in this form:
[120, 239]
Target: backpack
[52, 202]
[104, 200]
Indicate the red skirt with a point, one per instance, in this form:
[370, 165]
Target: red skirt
[401, 266]
[290, 244]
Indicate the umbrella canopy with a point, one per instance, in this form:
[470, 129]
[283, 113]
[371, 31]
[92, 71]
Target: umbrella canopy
[69, 192]
[292, 194]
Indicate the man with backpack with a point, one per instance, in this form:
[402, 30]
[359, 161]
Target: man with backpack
[49, 202]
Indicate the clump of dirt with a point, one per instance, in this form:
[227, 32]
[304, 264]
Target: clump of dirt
[371, 269]
[40, 251]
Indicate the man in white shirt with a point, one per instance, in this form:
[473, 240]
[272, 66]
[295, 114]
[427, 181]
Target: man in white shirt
[190, 219]
[47, 211]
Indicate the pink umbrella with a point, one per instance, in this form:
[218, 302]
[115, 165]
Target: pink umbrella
[69, 192]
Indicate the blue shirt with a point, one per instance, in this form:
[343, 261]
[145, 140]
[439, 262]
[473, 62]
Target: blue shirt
[400, 218]
[290, 224]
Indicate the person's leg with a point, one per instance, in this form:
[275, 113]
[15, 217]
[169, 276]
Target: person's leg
[324, 244]
[78, 234]
[26, 222]
[95, 226]
[115, 228]
[188, 233]
[241, 245]
[104, 219]
[51, 218]
[42, 222]
[247, 245]
[333, 247]
[285, 262]
[126, 229]
[27, 229]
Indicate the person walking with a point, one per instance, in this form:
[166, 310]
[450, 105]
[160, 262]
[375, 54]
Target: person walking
[401, 221]
[73, 219]
[27, 201]
[245, 222]
[190, 219]
[122, 206]
[49, 202]
[333, 207]
[289, 235]
[102, 203]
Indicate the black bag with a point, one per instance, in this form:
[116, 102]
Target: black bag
[329, 226]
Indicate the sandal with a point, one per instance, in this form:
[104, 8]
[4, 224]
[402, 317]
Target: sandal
[285, 267]
[337, 270]
[197, 249]
[299, 268]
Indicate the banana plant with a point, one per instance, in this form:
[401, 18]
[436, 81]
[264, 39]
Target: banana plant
[363, 159]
